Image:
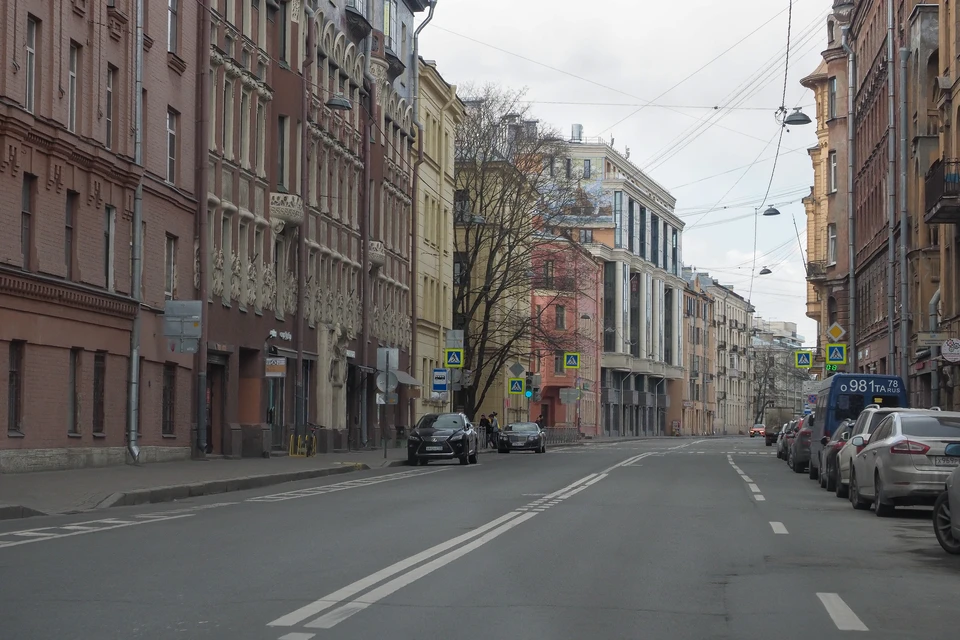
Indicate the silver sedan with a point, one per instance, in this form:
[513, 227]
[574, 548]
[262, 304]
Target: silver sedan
[905, 462]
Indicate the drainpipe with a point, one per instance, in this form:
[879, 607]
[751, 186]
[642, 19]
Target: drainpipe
[933, 325]
[365, 222]
[415, 216]
[300, 403]
[891, 197]
[203, 234]
[136, 284]
[904, 227]
[851, 224]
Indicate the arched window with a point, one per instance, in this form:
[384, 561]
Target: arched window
[831, 31]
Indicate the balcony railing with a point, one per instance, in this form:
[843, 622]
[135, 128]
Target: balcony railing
[942, 186]
[360, 6]
[556, 283]
[817, 270]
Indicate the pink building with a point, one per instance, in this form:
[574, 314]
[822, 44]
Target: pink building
[566, 304]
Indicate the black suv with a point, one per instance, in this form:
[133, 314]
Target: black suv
[443, 436]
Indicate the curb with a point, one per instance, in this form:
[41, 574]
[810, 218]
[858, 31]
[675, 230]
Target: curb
[16, 511]
[170, 493]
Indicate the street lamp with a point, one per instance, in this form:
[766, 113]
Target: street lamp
[771, 211]
[339, 103]
[765, 271]
[798, 117]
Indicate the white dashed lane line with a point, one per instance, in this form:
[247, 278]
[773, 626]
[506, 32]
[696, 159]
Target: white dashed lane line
[841, 614]
[778, 528]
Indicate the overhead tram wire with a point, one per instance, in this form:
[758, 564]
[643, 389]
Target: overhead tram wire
[773, 172]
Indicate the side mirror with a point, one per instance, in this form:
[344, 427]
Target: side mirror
[824, 440]
[845, 436]
[858, 441]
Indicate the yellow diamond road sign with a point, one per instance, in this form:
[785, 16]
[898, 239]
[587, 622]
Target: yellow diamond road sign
[835, 332]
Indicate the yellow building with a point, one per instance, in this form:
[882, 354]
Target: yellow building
[700, 334]
[441, 112]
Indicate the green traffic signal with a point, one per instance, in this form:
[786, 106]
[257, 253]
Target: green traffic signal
[528, 393]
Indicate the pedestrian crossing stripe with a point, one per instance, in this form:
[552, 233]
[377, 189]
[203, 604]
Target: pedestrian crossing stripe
[804, 359]
[453, 358]
[571, 360]
[516, 386]
[836, 354]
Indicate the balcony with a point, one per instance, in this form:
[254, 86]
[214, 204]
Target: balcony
[942, 185]
[377, 253]
[286, 207]
[357, 18]
[817, 270]
[558, 283]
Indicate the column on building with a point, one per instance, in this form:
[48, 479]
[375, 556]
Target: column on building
[678, 327]
[618, 306]
[641, 336]
[657, 334]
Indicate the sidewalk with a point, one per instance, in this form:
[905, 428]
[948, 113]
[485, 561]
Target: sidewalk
[56, 492]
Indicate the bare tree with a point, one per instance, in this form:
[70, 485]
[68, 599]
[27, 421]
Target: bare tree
[514, 186]
[776, 378]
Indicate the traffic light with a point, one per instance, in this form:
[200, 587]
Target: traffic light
[535, 387]
[528, 385]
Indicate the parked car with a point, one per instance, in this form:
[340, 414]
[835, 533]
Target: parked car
[443, 436]
[946, 510]
[757, 430]
[905, 462]
[829, 452]
[522, 436]
[786, 439]
[866, 424]
[799, 459]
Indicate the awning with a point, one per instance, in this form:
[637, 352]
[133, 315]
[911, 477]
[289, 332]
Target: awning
[405, 378]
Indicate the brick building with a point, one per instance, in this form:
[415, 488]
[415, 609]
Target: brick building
[67, 183]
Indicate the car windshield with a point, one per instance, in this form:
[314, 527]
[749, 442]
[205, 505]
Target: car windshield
[930, 427]
[523, 427]
[441, 421]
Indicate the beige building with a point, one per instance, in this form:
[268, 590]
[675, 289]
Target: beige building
[734, 319]
[700, 334]
[440, 114]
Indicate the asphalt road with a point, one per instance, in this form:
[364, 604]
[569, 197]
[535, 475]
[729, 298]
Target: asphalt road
[675, 539]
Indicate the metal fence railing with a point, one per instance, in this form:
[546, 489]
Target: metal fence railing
[562, 435]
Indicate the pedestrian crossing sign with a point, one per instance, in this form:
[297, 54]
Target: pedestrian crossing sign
[516, 386]
[571, 360]
[804, 359]
[836, 354]
[453, 358]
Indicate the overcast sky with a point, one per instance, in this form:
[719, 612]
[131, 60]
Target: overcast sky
[620, 54]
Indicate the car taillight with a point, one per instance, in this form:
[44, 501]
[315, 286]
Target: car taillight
[908, 446]
[804, 436]
[839, 445]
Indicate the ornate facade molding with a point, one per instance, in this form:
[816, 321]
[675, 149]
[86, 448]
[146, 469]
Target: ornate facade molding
[29, 286]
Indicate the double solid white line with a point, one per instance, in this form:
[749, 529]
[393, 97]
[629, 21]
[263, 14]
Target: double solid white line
[346, 602]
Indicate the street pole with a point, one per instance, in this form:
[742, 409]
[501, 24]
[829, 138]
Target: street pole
[891, 197]
[904, 280]
[851, 222]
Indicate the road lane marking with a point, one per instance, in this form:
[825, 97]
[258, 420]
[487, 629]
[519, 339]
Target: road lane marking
[50, 533]
[842, 615]
[310, 492]
[297, 636]
[754, 488]
[340, 614]
[745, 477]
[318, 606]
[759, 497]
[778, 528]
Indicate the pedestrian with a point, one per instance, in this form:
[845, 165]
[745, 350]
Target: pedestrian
[494, 429]
[486, 428]
[541, 421]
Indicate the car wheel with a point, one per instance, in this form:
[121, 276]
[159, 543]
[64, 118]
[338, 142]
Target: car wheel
[811, 472]
[412, 460]
[855, 499]
[882, 508]
[842, 490]
[797, 467]
[830, 483]
[423, 461]
[942, 525]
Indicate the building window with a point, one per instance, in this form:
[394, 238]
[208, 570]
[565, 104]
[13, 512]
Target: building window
[561, 322]
[15, 379]
[832, 98]
[586, 236]
[109, 245]
[227, 119]
[282, 151]
[33, 28]
[172, 117]
[73, 418]
[284, 25]
[170, 267]
[586, 168]
[261, 137]
[245, 129]
[72, 77]
[391, 19]
[69, 222]
[618, 219]
[108, 115]
[169, 399]
[26, 218]
[172, 25]
[832, 172]
[548, 269]
[99, 391]
[558, 363]
[569, 168]
[832, 243]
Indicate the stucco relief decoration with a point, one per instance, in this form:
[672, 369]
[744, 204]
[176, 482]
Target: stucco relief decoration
[236, 277]
[309, 306]
[216, 57]
[407, 332]
[96, 190]
[11, 158]
[290, 305]
[377, 315]
[196, 263]
[341, 309]
[379, 73]
[338, 364]
[218, 273]
[269, 287]
[55, 175]
[252, 284]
